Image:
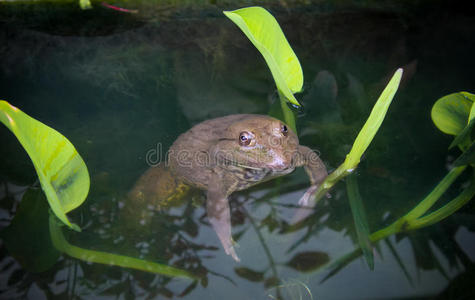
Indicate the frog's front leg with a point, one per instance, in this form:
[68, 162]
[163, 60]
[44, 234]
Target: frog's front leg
[315, 169]
[220, 186]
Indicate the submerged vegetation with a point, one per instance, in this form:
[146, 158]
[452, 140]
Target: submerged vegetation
[453, 114]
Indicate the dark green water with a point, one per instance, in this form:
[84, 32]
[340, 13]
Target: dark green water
[117, 85]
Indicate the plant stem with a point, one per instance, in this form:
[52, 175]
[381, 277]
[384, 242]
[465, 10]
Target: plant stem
[60, 243]
[330, 181]
[406, 222]
[365, 136]
[446, 210]
[414, 221]
[435, 194]
[287, 112]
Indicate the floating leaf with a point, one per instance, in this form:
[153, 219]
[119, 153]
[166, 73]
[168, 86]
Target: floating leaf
[262, 29]
[62, 172]
[308, 261]
[361, 222]
[249, 274]
[27, 237]
[451, 113]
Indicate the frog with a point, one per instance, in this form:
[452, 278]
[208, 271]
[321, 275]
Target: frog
[234, 152]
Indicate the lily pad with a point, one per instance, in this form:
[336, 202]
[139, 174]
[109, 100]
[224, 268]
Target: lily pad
[62, 172]
[262, 29]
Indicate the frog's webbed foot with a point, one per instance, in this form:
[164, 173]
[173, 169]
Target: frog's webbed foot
[219, 215]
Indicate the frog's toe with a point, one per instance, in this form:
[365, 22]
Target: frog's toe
[307, 198]
[230, 251]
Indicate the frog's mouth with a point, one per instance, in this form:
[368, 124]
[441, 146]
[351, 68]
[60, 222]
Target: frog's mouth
[259, 172]
[228, 162]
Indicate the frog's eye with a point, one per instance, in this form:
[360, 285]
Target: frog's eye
[284, 130]
[245, 138]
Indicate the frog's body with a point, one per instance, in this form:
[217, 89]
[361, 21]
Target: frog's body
[159, 188]
[232, 153]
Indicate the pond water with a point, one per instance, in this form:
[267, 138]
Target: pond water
[122, 85]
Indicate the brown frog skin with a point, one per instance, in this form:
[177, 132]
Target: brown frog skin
[235, 152]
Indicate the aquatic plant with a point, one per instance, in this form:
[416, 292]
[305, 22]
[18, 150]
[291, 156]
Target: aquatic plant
[64, 178]
[267, 36]
[60, 243]
[61, 170]
[453, 114]
[264, 32]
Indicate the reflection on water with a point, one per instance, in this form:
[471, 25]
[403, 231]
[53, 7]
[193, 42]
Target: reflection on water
[118, 86]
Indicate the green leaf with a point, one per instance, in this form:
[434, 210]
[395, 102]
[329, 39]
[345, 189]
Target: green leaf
[262, 29]
[463, 138]
[451, 113]
[62, 172]
[470, 97]
[364, 138]
[373, 122]
[361, 222]
[27, 237]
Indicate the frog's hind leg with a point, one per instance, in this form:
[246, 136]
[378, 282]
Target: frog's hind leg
[218, 210]
[157, 189]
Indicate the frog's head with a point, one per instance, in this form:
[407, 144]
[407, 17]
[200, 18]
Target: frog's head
[259, 142]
